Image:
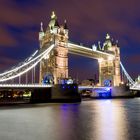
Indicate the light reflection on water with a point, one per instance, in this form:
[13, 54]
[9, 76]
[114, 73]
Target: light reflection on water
[117, 119]
[110, 121]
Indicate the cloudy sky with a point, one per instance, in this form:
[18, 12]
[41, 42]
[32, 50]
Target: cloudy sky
[88, 22]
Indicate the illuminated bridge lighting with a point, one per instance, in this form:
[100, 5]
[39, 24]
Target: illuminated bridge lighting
[136, 86]
[37, 57]
[27, 61]
[70, 45]
[91, 87]
[133, 85]
[14, 73]
[24, 86]
[53, 40]
[126, 74]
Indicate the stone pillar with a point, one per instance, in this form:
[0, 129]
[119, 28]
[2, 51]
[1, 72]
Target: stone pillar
[56, 63]
[60, 70]
[109, 69]
[106, 72]
[117, 75]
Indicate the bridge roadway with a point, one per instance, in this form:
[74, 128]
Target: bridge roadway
[23, 86]
[32, 86]
[135, 88]
[88, 52]
[90, 87]
[37, 86]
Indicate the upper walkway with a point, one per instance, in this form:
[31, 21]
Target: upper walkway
[88, 52]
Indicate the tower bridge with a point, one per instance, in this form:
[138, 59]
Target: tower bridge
[52, 57]
[57, 64]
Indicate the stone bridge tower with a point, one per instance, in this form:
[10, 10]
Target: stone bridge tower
[56, 64]
[109, 69]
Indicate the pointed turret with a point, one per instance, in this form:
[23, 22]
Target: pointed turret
[53, 24]
[41, 33]
[53, 16]
[41, 27]
[53, 20]
[108, 43]
[65, 25]
[107, 36]
[99, 46]
[117, 43]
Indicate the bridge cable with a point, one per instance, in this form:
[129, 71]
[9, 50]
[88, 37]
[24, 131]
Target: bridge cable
[126, 74]
[38, 59]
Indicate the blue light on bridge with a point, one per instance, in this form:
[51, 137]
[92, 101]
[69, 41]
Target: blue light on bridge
[107, 88]
[107, 83]
[101, 92]
[105, 93]
[65, 86]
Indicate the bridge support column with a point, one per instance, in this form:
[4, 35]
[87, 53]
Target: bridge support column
[109, 70]
[60, 69]
[106, 72]
[56, 64]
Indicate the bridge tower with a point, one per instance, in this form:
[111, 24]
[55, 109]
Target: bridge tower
[56, 63]
[109, 69]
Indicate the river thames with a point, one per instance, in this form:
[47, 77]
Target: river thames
[116, 119]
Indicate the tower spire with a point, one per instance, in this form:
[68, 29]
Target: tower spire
[53, 16]
[65, 24]
[107, 36]
[53, 20]
[41, 26]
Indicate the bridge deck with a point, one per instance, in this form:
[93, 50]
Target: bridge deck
[88, 52]
[24, 86]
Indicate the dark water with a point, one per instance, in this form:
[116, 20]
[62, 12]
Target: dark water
[117, 119]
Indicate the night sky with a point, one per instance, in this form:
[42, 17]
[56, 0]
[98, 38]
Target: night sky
[88, 22]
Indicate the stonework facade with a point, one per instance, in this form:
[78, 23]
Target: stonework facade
[57, 61]
[110, 69]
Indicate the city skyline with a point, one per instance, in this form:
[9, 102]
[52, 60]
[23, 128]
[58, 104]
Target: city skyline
[88, 23]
